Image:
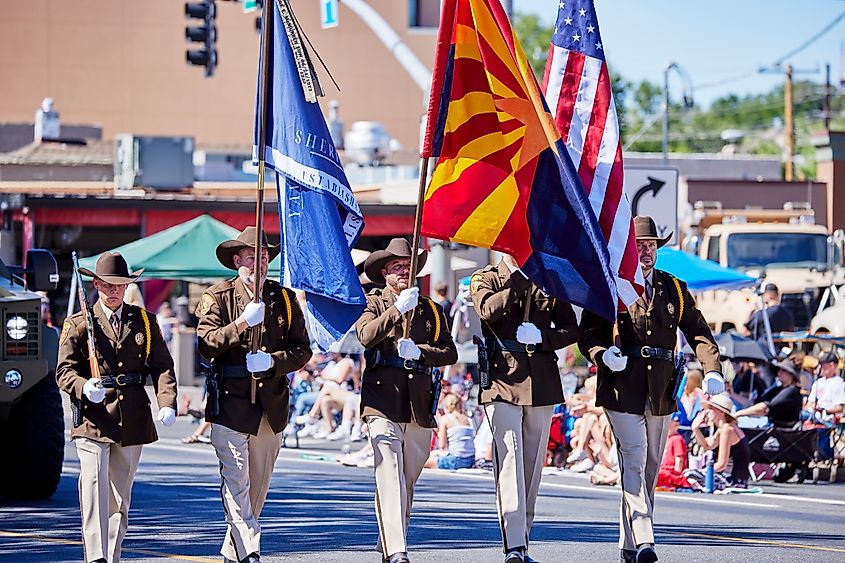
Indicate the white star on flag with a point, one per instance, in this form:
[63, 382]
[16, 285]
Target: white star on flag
[576, 37]
[568, 21]
[590, 29]
[582, 12]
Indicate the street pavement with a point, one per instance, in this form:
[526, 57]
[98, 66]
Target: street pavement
[318, 510]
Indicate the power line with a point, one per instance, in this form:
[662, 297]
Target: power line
[742, 76]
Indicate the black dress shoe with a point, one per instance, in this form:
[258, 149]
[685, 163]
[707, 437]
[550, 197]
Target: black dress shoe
[398, 557]
[646, 554]
[514, 556]
[251, 558]
[627, 556]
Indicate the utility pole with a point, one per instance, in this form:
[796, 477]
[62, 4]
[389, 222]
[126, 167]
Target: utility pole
[789, 126]
[826, 106]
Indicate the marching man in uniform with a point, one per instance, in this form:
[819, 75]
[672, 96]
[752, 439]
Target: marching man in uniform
[114, 418]
[637, 382]
[522, 327]
[248, 395]
[398, 397]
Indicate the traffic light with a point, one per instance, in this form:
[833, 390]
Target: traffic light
[204, 32]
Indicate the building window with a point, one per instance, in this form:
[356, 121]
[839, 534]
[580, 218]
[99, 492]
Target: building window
[423, 13]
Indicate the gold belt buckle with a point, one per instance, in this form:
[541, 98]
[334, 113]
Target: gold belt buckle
[645, 352]
[530, 349]
[118, 381]
[408, 364]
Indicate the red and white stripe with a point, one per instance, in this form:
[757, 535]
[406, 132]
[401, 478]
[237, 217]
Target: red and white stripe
[578, 91]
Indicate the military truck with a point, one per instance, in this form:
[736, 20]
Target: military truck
[32, 431]
[784, 247]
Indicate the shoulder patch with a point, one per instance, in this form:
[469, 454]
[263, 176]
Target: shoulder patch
[475, 281]
[66, 327]
[206, 301]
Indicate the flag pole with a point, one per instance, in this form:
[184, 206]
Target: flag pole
[415, 241]
[266, 32]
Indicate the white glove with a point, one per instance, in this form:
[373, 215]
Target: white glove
[407, 299]
[408, 350]
[713, 383]
[614, 360]
[258, 361]
[93, 391]
[253, 313]
[528, 333]
[166, 416]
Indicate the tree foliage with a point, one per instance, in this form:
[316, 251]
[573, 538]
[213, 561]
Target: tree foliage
[745, 124]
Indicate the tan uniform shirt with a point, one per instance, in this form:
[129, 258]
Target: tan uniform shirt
[654, 324]
[283, 335]
[519, 378]
[124, 416]
[394, 393]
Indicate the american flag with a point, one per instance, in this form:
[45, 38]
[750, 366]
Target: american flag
[577, 88]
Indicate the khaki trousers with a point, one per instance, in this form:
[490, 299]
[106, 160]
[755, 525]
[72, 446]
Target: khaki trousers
[106, 473]
[640, 441]
[520, 438]
[401, 450]
[246, 467]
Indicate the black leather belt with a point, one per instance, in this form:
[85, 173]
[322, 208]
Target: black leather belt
[520, 348]
[651, 352]
[240, 372]
[401, 363]
[122, 380]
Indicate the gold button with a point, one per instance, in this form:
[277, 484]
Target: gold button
[120, 364]
[120, 397]
[264, 348]
[261, 384]
[648, 332]
[649, 366]
[118, 346]
[410, 376]
[225, 392]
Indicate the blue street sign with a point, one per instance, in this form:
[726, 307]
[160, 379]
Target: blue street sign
[328, 13]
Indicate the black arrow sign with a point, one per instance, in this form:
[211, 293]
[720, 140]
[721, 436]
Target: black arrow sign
[654, 185]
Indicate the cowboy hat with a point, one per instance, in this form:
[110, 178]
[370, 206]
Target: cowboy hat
[112, 268]
[722, 403]
[398, 248]
[788, 367]
[646, 229]
[227, 249]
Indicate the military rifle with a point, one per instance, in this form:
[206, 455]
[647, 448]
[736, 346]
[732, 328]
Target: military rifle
[89, 324]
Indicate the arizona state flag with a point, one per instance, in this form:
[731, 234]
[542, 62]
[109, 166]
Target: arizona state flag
[503, 178]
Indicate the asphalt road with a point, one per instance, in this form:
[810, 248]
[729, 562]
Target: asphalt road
[318, 510]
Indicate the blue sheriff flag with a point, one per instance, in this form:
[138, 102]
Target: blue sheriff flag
[320, 218]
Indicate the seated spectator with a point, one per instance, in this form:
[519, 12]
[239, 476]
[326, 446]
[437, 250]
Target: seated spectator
[826, 401]
[671, 473]
[303, 395]
[747, 385]
[483, 443]
[456, 449]
[781, 403]
[728, 443]
[340, 392]
[693, 394]
[589, 436]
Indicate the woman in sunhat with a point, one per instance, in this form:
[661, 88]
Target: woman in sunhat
[728, 443]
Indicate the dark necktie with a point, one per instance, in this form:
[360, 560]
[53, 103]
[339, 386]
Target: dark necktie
[648, 292]
[115, 323]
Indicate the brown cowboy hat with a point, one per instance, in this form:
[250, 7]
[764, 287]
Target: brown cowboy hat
[398, 248]
[227, 249]
[788, 367]
[645, 229]
[112, 268]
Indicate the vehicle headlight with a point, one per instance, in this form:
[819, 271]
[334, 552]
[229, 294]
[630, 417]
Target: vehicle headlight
[17, 327]
[13, 378]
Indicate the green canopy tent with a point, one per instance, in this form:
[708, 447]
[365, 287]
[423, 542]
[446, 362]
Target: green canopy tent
[182, 252]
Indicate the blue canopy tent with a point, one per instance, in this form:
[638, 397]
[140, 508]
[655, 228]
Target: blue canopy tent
[700, 274]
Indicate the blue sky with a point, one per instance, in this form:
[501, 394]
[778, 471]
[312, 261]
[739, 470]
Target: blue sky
[713, 40]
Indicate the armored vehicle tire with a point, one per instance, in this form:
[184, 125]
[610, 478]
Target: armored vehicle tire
[34, 444]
